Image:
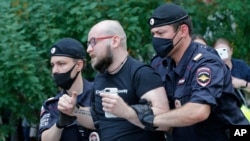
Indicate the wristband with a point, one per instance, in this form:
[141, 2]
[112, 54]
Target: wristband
[59, 126]
[64, 120]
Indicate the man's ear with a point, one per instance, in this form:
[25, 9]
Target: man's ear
[81, 64]
[184, 29]
[116, 41]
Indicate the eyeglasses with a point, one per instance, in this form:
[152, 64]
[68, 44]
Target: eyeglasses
[92, 42]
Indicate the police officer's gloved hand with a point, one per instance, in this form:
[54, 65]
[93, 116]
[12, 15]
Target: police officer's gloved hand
[145, 114]
[64, 120]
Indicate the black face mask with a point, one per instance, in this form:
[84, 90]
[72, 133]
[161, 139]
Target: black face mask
[64, 80]
[163, 46]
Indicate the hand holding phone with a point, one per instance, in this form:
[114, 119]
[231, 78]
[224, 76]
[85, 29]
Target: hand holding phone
[110, 91]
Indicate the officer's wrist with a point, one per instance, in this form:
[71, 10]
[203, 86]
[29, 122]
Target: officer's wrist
[246, 85]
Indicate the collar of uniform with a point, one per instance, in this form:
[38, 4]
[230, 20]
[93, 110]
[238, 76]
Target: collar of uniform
[186, 58]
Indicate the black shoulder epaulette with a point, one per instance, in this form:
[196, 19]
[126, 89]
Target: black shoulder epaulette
[197, 57]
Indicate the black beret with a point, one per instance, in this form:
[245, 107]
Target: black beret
[167, 14]
[68, 47]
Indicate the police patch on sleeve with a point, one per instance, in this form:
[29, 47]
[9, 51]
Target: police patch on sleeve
[203, 76]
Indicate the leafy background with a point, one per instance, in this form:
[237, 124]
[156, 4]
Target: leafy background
[29, 27]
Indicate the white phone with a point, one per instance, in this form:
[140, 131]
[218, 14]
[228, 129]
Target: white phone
[223, 52]
[110, 91]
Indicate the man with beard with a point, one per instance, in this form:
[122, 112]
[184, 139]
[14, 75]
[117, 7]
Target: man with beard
[67, 61]
[125, 90]
[197, 82]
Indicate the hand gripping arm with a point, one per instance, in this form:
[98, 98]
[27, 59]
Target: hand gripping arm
[145, 114]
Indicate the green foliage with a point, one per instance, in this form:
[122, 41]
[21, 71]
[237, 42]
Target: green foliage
[29, 28]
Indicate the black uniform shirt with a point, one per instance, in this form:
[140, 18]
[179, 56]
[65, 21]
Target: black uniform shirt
[202, 77]
[49, 116]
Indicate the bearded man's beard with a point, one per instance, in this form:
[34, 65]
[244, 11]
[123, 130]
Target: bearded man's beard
[103, 63]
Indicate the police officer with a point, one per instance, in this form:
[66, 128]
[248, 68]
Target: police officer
[67, 60]
[197, 82]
